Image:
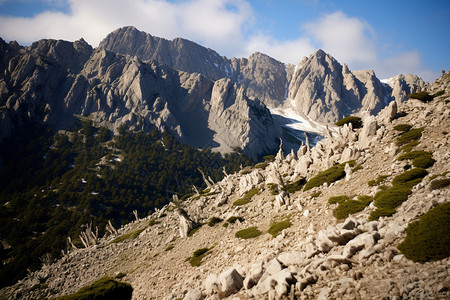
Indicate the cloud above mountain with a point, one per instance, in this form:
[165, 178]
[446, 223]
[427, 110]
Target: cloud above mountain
[228, 26]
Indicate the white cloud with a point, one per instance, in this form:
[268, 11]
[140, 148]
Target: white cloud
[354, 42]
[214, 23]
[291, 51]
[227, 26]
[347, 39]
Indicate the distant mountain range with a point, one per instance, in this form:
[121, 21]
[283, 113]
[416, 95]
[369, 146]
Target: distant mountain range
[206, 100]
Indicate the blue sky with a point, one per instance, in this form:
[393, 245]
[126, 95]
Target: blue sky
[390, 37]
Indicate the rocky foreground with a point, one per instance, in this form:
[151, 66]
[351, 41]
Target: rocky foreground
[317, 257]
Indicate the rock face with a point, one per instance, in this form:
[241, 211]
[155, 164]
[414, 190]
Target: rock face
[143, 82]
[262, 77]
[116, 90]
[326, 91]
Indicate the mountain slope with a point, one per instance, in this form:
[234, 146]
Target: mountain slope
[315, 255]
[54, 81]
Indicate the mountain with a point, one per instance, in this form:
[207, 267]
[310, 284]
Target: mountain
[320, 86]
[144, 82]
[364, 214]
[54, 81]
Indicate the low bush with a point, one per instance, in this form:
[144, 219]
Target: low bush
[347, 208]
[392, 197]
[246, 170]
[408, 147]
[422, 96]
[153, 222]
[439, 183]
[330, 175]
[295, 186]
[120, 275]
[277, 227]
[273, 188]
[428, 238]
[338, 199]
[247, 198]
[191, 233]
[233, 219]
[248, 233]
[269, 158]
[213, 221]
[128, 236]
[355, 121]
[410, 178]
[357, 168]
[381, 212]
[420, 159]
[402, 127]
[439, 93]
[379, 180]
[103, 289]
[196, 259]
[170, 247]
[316, 194]
[409, 136]
[261, 165]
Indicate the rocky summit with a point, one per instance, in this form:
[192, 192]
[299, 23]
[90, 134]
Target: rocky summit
[142, 82]
[362, 215]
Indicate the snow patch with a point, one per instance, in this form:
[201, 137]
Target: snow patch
[298, 122]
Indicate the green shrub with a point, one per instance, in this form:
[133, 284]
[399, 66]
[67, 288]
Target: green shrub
[357, 168]
[423, 162]
[409, 136]
[248, 233]
[103, 289]
[246, 170]
[439, 183]
[316, 194]
[269, 158]
[402, 127]
[408, 147]
[191, 233]
[153, 222]
[295, 186]
[233, 219]
[347, 208]
[440, 93]
[410, 178]
[379, 180]
[196, 259]
[365, 199]
[261, 165]
[187, 196]
[276, 227]
[213, 221]
[338, 199]
[392, 197]
[128, 236]
[273, 188]
[422, 96]
[381, 212]
[420, 159]
[330, 175]
[120, 275]
[428, 238]
[355, 121]
[170, 247]
[247, 198]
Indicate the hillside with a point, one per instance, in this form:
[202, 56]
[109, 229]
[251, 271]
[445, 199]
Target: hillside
[394, 171]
